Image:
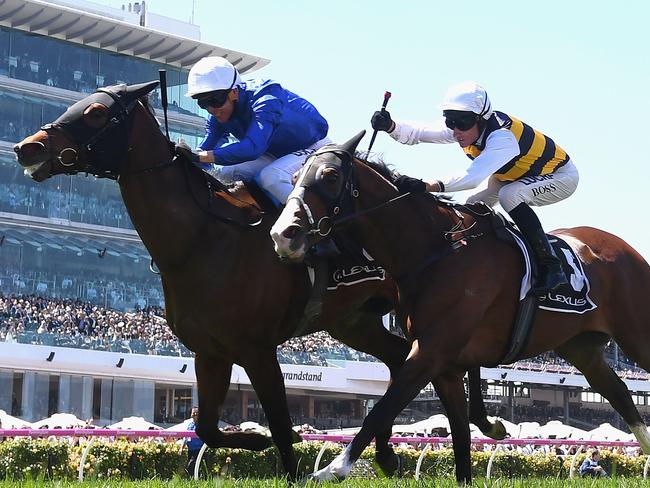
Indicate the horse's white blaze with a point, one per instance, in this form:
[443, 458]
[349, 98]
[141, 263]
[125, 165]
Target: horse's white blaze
[640, 431]
[283, 244]
[338, 469]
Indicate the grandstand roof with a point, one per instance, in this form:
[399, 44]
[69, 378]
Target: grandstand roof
[101, 31]
[72, 241]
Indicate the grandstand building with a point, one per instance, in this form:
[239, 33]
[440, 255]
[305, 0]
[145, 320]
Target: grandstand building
[71, 238]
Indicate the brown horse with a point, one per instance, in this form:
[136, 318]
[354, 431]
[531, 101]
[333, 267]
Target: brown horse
[461, 300]
[227, 295]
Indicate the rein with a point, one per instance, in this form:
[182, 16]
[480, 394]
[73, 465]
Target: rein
[360, 213]
[350, 192]
[328, 221]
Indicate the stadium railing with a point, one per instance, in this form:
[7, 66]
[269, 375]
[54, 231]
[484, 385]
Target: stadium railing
[325, 438]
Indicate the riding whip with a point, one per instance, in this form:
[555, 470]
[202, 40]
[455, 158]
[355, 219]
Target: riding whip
[163, 96]
[374, 134]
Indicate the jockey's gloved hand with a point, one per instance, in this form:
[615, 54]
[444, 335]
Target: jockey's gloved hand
[406, 184]
[185, 152]
[381, 121]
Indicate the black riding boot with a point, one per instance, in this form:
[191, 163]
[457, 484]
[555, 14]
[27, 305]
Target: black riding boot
[550, 274]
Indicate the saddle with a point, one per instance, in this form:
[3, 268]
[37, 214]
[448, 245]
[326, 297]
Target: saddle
[570, 298]
[239, 202]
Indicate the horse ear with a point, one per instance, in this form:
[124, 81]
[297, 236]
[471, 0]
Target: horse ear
[136, 91]
[351, 146]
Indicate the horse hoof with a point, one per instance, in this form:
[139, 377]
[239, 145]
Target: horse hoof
[320, 476]
[497, 432]
[295, 437]
[309, 480]
[391, 466]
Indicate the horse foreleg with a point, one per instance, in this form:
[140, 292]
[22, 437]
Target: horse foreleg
[477, 412]
[368, 335]
[213, 379]
[451, 391]
[587, 356]
[409, 381]
[266, 377]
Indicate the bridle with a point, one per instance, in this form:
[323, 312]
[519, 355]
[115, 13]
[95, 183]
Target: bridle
[96, 148]
[93, 147]
[339, 207]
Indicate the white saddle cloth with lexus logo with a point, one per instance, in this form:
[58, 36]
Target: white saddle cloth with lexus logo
[570, 298]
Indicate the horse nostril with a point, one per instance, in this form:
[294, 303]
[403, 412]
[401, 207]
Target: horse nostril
[290, 232]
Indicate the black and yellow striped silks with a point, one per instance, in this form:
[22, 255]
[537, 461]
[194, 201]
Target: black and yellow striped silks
[538, 154]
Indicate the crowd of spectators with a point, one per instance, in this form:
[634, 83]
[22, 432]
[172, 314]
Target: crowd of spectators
[318, 349]
[85, 201]
[71, 323]
[35, 319]
[550, 362]
[95, 288]
[39, 201]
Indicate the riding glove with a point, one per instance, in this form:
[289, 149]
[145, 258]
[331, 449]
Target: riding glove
[381, 121]
[406, 184]
[185, 152]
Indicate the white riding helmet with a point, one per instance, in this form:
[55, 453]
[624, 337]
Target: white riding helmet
[468, 97]
[210, 74]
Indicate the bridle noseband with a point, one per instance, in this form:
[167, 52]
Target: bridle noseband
[340, 205]
[343, 200]
[93, 146]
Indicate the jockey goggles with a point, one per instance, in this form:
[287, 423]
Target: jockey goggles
[216, 98]
[461, 121]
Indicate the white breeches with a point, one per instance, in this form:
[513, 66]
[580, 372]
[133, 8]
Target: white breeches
[535, 191]
[273, 175]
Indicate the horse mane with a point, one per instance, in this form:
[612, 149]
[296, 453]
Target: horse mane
[146, 103]
[386, 171]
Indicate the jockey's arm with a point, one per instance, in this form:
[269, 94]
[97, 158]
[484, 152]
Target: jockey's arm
[413, 133]
[267, 107]
[214, 135]
[500, 147]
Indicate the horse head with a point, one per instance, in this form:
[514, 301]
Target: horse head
[324, 190]
[91, 136]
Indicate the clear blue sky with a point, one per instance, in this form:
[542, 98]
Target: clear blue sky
[579, 71]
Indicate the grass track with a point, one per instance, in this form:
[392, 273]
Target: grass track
[350, 483]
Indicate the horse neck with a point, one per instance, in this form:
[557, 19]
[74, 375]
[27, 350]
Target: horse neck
[159, 201]
[410, 223]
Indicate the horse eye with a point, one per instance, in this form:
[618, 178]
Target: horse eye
[330, 176]
[96, 115]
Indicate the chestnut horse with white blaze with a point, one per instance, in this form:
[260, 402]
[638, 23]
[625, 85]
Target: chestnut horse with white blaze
[461, 301]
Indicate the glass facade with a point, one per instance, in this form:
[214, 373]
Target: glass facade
[23, 114]
[70, 198]
[110, 272]
[106, 272]
[53, 62]
[34, 396]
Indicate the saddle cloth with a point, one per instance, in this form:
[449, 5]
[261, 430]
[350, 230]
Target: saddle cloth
[347, 270]
[570, 298]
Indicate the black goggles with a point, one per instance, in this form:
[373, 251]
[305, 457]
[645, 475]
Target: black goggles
[461, 123]
[216, 100]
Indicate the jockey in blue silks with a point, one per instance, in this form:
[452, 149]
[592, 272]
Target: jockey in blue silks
[257, 129]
